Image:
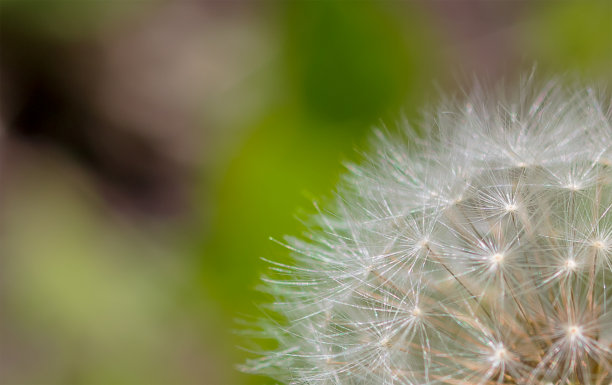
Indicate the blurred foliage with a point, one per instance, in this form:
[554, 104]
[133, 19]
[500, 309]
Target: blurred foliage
[331, 99]
[93, 292]
[68, 19]
[571, 36]
[343, 69]
[88, 298]
[353, 63]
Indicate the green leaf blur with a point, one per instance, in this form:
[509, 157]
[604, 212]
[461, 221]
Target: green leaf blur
[116, 301]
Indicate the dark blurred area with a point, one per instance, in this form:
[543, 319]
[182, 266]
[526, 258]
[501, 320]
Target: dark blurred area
[149, 149]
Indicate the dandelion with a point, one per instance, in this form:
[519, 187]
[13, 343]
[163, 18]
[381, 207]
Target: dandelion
[480, 254]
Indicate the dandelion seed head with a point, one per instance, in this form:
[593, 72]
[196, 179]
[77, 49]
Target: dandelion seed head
[478, 253]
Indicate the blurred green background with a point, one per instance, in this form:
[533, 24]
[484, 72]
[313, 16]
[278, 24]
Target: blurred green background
[150, 149]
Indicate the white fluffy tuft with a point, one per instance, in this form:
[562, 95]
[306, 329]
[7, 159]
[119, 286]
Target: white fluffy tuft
[481, 254]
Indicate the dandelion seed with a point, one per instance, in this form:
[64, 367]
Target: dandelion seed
[497, 258]
[499, 355]
[600, 245]
[511, 207]
[574, 332]
[423, 243]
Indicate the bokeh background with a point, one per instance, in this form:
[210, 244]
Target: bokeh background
[150, 149]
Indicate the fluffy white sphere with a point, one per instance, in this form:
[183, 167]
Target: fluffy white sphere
[478, 254]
